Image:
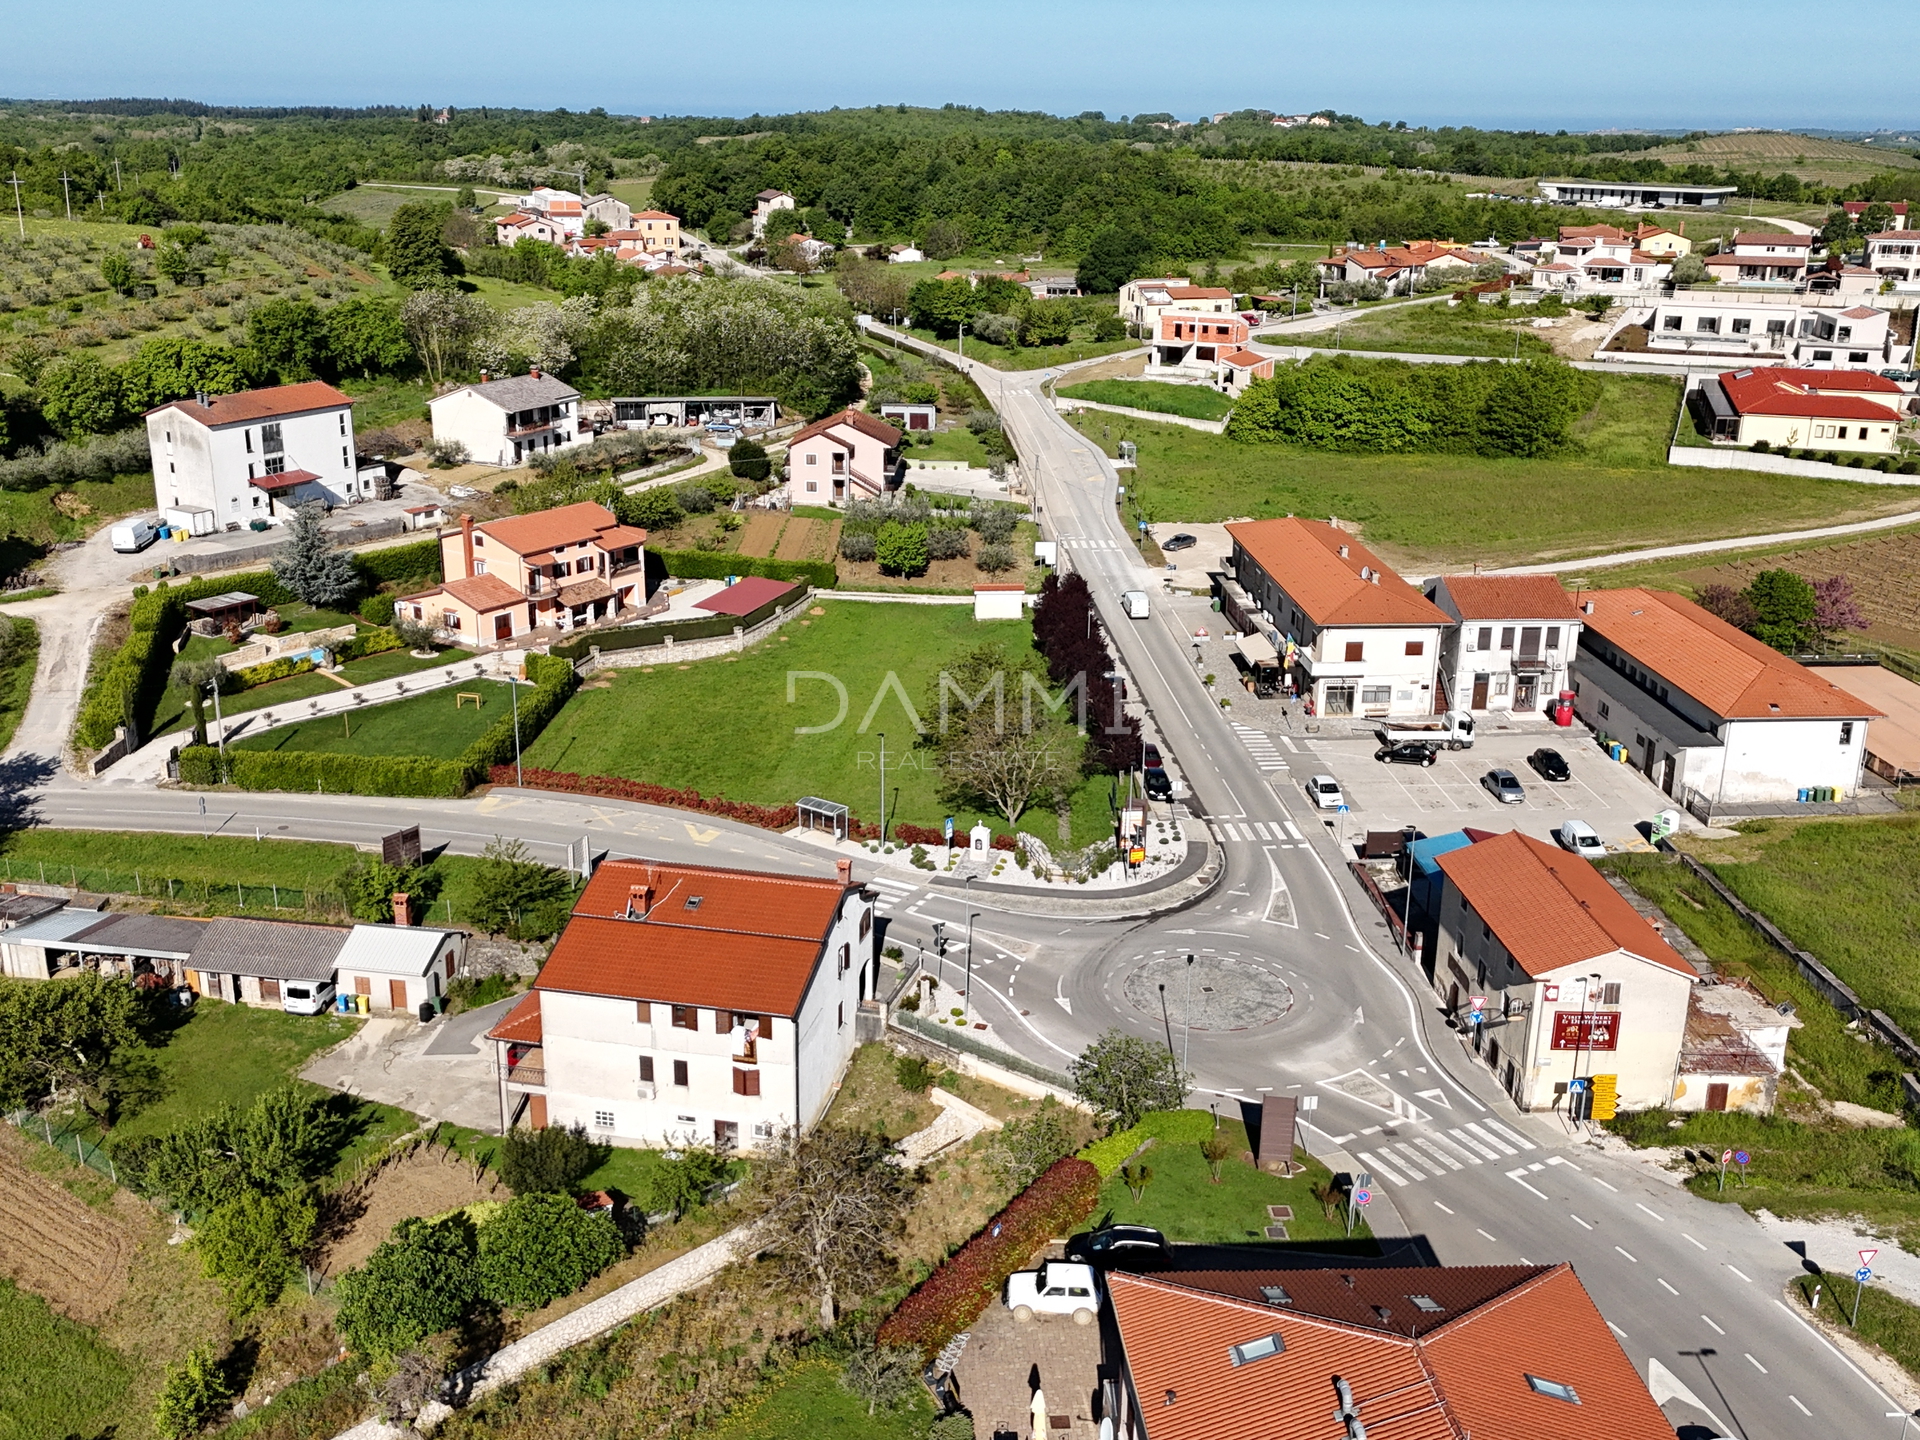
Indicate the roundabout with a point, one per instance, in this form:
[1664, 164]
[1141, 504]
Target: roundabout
[1222, 991]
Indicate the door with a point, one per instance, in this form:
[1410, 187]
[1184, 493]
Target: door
[537, 1112]
[1524, 689]
[363, 985]
[503, 627]
[1480, 692]
[1716, 1097]
[270, 991]
[726, 1135]
[1339, 700]
[397, 994]
[1667, 775]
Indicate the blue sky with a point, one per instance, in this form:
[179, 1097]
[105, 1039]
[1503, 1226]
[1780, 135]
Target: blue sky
[1509, 63]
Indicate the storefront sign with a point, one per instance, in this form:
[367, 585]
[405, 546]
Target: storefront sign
[1591, 1030]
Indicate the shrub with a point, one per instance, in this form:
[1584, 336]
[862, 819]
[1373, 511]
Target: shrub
[549, 1161]
[859, 545]
[277, 669]
[694, 498]
[994, 559]
[694, 565]
[955, 1295]
[540, 1247]
[1178, 1127]
[995, 523]
[376, 609]
[901, 548]
[195, 1391]
[314, 771]
[252, 1244]
[748, 459]
[941, 544]
[418, 1281]
[912, 1073]
[446, 454]
[1761, 447]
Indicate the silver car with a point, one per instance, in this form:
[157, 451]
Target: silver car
[1504, 786]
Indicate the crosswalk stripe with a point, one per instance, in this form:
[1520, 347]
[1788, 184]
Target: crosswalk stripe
[1499, 1145]
[1411, 1155]
[1294, 831]
[1472, 1144]
[1511, 1135]
[1448, 1140]
[1374, 1164]
[1436, 1154]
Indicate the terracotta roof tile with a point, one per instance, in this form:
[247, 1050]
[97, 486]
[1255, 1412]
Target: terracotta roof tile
[1850, 382]
[480, 592]
[1303, 558]
[1245, 359]
[1550, 908]
[1769, 237]
[522, 1023]
[550, 529]
[1510, 597]
[748, 593]
[260, 404]
[871, 426]
[1728, 671]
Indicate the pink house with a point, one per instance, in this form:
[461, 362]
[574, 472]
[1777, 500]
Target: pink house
[848, 453]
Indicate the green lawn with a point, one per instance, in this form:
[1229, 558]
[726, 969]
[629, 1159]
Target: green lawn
[56, 1378]
[1884, 1319]
[1030, 357]
[436, 724]
[1454, 510]
[685, 725]
[808, 1399]
[30, 518]
[1441, 329]
[19, 652]
[173, 714]
[1196, 402]
[1183, 1202]
[959, 443]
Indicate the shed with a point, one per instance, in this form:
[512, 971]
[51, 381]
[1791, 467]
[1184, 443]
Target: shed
[17, 909]
[1893, 740]
[746, 595]
[909, 416]
[998, 602]
[398, 966]
[70, 940]
[230, 605]
[246, 961]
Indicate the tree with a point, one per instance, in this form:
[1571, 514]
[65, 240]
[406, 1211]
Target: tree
[417, 1282]
[1784, 606]
[1691, 270]
[650, 509]
[81, 1039]
[1838, 232]
[942, 306]
[117, 270]
[465, 199]
[832, 1205]
[194, 676]
[1028, 759]
[1834, 610]
[880, 1374]
[945, 239]
[1530, 409]
[174, 261]
[681, 1184]
[872, 287]
[288, 338]
[1597, 305]
[417, 255]
[1026, 1145]
[748, 459]
[368, 334]
[443, 326]
[1048, 322]
[171, 367]
[540, 1247]
[546, 1162]
[1114, 256]
[513, 892]
[309, 566]
[1123, 1077]
[1216, 1148]
[901, 548]
[370, 884]
[194, 1391]
[80, 396]
[281, 1143]
[1136, 1175]
[252, 1245]
[1729, 604]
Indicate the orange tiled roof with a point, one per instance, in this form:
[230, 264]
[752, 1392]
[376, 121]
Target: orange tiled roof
[549, 529]
[1549, 908]
[522, 1023]
[479, 593]
[1726, 670]
[260, 404]
[1304, 559]
[1510, 597]
[870, 426]
[1812, 393]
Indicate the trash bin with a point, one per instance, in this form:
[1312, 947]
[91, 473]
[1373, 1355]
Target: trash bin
[1802, 795]
[363, 1003]
[426, 1011]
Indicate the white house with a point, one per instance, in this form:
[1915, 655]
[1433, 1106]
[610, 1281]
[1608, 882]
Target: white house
[1571, 981]
[765, 203]
[256, 455]
[1808, 331]
[1895, 254]
[1142, 301]
[1512, 648]
[1634, 194]
[1762, 258]
[904, 255]
[1838, 410]
[502, 422]
[611, 212]
[397, 967]
[1355, 639]
[1712, 716]
[688, 1002]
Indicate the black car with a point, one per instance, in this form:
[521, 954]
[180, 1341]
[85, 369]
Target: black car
[1407, 752]
[1182, 541]
[1134, 1246]
[1159, 785]
[1550, 765]
[1150, 753]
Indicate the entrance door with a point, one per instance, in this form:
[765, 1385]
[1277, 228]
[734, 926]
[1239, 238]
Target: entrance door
[726, 1134]
[503, 627]
[1667, 768]
[1524, 689]
[537, 1112]
[1480, 691]
[397, 994]
[1716, 1097]
[1339, 700]
[270, 990]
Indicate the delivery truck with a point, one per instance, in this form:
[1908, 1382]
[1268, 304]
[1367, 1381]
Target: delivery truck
[1453, 730]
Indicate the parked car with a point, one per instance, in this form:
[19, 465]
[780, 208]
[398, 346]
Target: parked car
[1581, 839]
[1182, 541]
[1159, 785]
[1324, 791]
[1408, 752]
[1134, 1246]
[1550, 764]
[1150, 756]
[304, 997]
[134, 536]
[1504, 786]
[1058, 1287]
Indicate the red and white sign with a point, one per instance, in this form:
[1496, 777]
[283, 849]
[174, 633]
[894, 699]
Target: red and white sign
[1866, 1258]
[1586, 1030]
[1725, 1156]
[1551, 993]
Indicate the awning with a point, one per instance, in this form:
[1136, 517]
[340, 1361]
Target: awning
[1257, 650]
[586, 592]
[285, 480]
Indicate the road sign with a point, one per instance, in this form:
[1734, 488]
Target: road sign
[1363, 1197]
[949, 831]
[1725, 1155]
[1741, 1157]
[1866, 1256]
[1863, 1274]
[1576, 1086]
[1136, 856]
[1344, 809]
[1476, 1002]
[1364, 1180]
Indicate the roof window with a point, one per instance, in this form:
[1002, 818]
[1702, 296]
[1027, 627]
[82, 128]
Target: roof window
[1251, 1350]
[1274, 1295]
[693, 901]
[1554, 1388]
[1426, 1303]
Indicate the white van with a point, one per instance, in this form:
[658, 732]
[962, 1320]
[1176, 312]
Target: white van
[133, 537]
[306, 997]
[1135, 602]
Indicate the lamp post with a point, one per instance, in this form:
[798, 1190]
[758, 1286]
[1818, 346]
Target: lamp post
[219, 725]
[1186, 1040]
[883, 787]
[966, 1001]
[513, 688]
[1172, 1059]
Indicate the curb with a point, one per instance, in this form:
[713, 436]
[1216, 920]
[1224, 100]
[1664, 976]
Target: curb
[1208, 866]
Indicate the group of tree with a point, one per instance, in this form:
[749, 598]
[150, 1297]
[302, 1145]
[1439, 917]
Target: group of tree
[1786, 610]
[1844, 232]
[1001, 735]
[1002, 312]
[84, 1042]
[1385, 406]
[1068, 633]
[904, 534]
[1123, 1077]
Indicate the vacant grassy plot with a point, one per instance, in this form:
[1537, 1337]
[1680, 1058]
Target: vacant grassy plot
[1030, 357]
[808, 1399]
[955, 444]
[726, 726]
[438, 725]
[1821, 162]
[19, 652]
[56, 1378]
[1196, 402]
[41, 517]
[1440, 329]
[1451, 510]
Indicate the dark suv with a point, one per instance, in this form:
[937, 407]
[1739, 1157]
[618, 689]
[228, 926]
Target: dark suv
[1407, 752]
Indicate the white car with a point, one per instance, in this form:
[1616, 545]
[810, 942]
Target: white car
[1581, 839]
[1324, 791]
[306, 997]
[1056, 1288]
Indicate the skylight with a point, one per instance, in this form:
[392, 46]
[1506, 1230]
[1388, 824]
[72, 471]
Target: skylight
[1274, 1295]
[1252, 1350]
[1426, 1303]
[693, 901]
[1554, 1388]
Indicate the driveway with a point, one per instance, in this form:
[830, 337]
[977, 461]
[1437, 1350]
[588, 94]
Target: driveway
[440, 1071]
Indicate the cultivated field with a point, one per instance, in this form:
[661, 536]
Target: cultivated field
[69, 1254]
[1824, 162]
[428, 1180]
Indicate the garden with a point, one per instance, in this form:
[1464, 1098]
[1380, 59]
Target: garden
[1195, 402]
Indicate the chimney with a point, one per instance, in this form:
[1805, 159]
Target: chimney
[1586, 607]
[845, 867]
[466, 543]
[533, 372]
[1376, 577]
[402, 908]
[639, 901]
[483, 377]
[1343, 552]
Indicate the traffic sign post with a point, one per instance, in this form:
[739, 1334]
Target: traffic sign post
[1741, 1158]
[1725, 1156]
[1360, 1193]
[1860, 1279]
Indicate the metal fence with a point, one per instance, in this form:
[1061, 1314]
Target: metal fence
[960, 1040]
[66, 1141]
[225, 895]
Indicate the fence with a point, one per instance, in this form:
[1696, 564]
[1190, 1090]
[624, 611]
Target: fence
[1863, 474]
[67, 1142]
[960, 1040]
[194, 563]
[232, 896]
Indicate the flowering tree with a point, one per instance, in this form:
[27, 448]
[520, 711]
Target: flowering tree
[1834, 610]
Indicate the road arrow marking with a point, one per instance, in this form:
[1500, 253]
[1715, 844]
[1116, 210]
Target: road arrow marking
[1664, 1386]
[1438, 1096]
[699, 836]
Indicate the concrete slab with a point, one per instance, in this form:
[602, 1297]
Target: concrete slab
[1006, 1360]
[393, 1062]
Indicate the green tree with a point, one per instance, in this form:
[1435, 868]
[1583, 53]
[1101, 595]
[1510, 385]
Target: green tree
[680, 1185]
[280, 1144]
[832, 1205]
[80, 396]
[252, 1245]
[171, 367]
[416, 253]
[175, 262]
[1026, 1145]
[748, 459]
[1114, 256]
[1530, 410]
[309, 566]
[1123, 1076]
[901, 547]
[288, 338]
[1215, 1149]
[465, 199]
[1048, 322]
[941, 306]
[370, 884]
[1784, 605]
[651, 509]
[546, 1162]
[194, 676]
[514, 893]
[540, 1247]
[881, 1374]
[194, 1391]
[416, 1283]
[368, 334]
[82, 1039]
[117, 270]
[1690, 270]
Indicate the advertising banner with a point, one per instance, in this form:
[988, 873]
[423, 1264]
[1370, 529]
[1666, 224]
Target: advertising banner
[1593, 1030]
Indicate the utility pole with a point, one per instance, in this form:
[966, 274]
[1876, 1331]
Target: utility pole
[1186, 1040]
[513, 688]
[1172, 1059]
[972, 915]
[18, 214]
[883, 787]
[116, 174]
[66, 185]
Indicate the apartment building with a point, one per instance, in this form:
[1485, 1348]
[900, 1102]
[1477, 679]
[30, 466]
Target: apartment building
[1512, 644]
[256, 455]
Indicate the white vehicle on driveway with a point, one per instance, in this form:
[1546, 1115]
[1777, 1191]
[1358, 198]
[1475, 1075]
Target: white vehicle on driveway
[1324, 791]
[1056, 1288]
[1581, 838]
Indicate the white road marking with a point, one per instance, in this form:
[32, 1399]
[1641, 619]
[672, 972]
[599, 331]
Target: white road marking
[1479, 1231]
[1519, 1178]
[1467, 1142]
[1511, 1135]
[1655, 1213]
[1836, 1354]
[1623, 1252]
[1716, 1329]
[1690, 1240]
[1616, 1330]
[1373, 1164]
[1434, 1152]
[1409, 1154]
[1801, 1408]
[1294, 830]
[1438, 1206]
[1737, 1271]
[1756, 1364]
[1668, 1288]
[1598, 1181]
[1474, 1127]
[1578, 1221]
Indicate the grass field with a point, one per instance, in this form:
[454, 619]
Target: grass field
[808, 1399]
[684, 725]
[1196, 402]
[56, 1378]
[1822, 162]
[19, 652]
[174, 715]
[1440, 329]
[432, 724]
[1454, 510]
[41, 517]
[1883, 1319]
[958, 443]
[1030, 357]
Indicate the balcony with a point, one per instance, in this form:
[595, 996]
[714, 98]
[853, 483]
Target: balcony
[525, 431]
[527, 1075]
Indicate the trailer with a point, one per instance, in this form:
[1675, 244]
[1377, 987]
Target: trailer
[1454, 730]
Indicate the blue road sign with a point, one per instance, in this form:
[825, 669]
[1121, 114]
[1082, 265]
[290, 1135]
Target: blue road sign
[1577, 1085]
[1363, 1197]
[1741, 1157]
[1863, 1275]
[1475, 1017]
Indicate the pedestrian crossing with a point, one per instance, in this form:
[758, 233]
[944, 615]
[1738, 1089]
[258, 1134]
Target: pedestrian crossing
[1260, 746]
[1284, 837]
[892, 892]
[1403, 1162]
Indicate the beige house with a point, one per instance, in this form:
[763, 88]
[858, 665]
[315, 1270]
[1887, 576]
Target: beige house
[852, 453]
[505, 421]
[1659, 240]
[1842, 410]
[397, 967]
[1143, 301]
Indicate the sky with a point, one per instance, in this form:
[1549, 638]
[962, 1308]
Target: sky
[1652, 64]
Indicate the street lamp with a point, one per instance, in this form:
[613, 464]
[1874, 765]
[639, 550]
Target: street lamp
[1186, 1040]
[513, 689]
[883, 787]
[1172, 1059]
[966, 1000]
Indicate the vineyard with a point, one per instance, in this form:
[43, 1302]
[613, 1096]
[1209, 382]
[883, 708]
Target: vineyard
[1885, 572]
[1822, 162]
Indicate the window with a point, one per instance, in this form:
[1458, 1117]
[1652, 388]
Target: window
[843, 1015]
[763, 1129]
[1485, 642]
[248, 434]
[1501, 682]
[1275, 1295]
[1844, 333]
[1776, 327]
[1708, 325]
[812, 459]
[1846, 732]
[1610, 993]
[1506, 637]
[846, 958]
[603, 1119]
[450, 619]
[1356, 651]
[1427, 1304]
[1416, 647]
[646, 1069]
[343, 422]
[1376, 695]
[1672, 322]
[680, 1072]
[276, 465]
[1742, 327]
[479, 566]
[1856, 357]
[1553, 637]
[685, 1017]
[866, 922]
[1604, 710]
[343, 455]
[1554, 1388]
[1823, 354]
[270, 439]
[1251, 1350]
[746, 1082]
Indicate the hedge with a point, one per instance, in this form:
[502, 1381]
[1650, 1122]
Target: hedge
[633, 637]
[277, 669]
[325, 772]
[717, 564]
[956, 1294]
[399, 562]
[554, 684]
[614, 787]
[1173, 1126]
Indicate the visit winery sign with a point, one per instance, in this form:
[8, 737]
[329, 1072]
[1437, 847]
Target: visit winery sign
[1592, 1030]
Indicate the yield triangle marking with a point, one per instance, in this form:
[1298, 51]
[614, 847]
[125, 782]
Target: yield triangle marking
[1437, 1096]
[1664, 1386]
